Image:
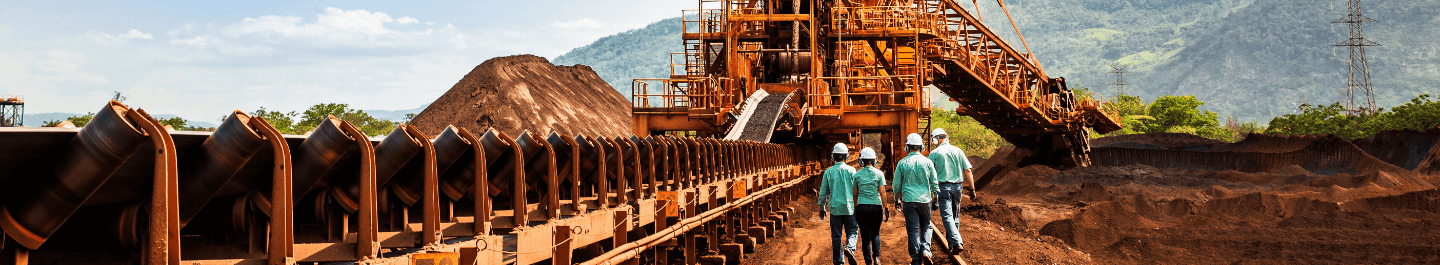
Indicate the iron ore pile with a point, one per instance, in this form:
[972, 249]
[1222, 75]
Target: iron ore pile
[517, 93]
[1179, 198]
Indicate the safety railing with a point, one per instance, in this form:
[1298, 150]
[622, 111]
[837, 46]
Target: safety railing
[691, 62]
[659, 93]
[677, 94]
[702, 20]
[12, 98]
[845, 20]
[868, 91]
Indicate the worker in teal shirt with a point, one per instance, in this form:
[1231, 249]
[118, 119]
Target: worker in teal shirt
[915, 185]
[837, 196]
[953, 169]
[869, 207]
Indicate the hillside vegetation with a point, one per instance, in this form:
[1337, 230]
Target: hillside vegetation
[1250, 59]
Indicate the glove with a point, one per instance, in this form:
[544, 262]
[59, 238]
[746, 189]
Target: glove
[934, 206]
[972, 194]
[887, 215]
[822, 214]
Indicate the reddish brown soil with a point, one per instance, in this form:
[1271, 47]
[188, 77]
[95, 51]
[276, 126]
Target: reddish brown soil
[1264, 200]
[1166, 140]
[807, 240]
[526, 93]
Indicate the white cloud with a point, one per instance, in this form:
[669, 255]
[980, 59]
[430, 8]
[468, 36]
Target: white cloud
[46, 77]
[200, 41]
[105, 39]
[584, 23]
[334, 27]
[204, 69]
[136, 34]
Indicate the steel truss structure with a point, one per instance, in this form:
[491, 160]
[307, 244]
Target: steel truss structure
[862, 66]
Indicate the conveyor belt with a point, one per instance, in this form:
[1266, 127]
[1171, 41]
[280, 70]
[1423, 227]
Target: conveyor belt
[759, 117]
[245, 194]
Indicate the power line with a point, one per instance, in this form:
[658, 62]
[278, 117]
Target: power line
[1359, 78]
[1119, 83]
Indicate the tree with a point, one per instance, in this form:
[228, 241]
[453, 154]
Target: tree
[1421, 113]
[1317, 119]
[1181, 114]
[312, 118]
[282, 121]
[80, 121]
[967, 133]
[119, 97]
[176, 123]
[1131, 112]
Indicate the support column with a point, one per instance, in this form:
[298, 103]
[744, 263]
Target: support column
[562, 250]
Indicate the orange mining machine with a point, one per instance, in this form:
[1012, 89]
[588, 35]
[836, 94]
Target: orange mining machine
[830, 70]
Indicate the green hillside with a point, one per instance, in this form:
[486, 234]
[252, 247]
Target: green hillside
[637, 53]
[1254, 59]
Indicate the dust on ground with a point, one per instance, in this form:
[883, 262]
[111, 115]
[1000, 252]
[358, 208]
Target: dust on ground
[806, 240]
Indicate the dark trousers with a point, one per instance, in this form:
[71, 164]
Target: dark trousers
[869, 216]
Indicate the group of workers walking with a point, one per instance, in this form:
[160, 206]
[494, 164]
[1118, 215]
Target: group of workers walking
[852, 198]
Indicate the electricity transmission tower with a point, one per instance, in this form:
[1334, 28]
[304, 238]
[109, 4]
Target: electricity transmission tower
[1119, 84]
[1359, 78]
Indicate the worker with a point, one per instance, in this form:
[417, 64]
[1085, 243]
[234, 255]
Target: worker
[952, 169]
[915, 185]
[837, 196]
[869, 207]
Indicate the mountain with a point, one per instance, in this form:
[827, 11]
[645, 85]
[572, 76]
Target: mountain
[39, 119]
[637, 53]
[1253, 59]
[395, 115]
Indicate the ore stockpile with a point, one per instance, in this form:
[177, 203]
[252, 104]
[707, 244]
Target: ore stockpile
[1164, 198]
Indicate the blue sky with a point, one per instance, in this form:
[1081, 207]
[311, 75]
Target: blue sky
[201, 60]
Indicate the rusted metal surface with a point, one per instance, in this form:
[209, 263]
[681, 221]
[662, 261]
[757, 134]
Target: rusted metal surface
[88, 159]
[240, 195]
[847, 67]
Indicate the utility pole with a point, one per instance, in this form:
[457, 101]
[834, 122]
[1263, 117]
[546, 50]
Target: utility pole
[1359, 78]
[1119, 84]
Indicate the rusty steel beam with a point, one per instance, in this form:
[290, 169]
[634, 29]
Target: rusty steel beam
[242, 187]
[88, 160]
[222, 155]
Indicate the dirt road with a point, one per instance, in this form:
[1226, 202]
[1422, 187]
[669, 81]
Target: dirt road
[806, 241]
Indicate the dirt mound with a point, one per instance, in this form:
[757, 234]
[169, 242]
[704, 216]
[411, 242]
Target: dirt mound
[1007, 216]
[1409, 149]
[1273, 143]
[1404, 148]
[525, 92]
[1166, 140]
[1267, 199]
[1341, 162]
[1255, 228]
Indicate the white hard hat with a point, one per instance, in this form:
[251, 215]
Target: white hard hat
[867, 153]
[840, 149]
[914, 139]
[937, 132]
